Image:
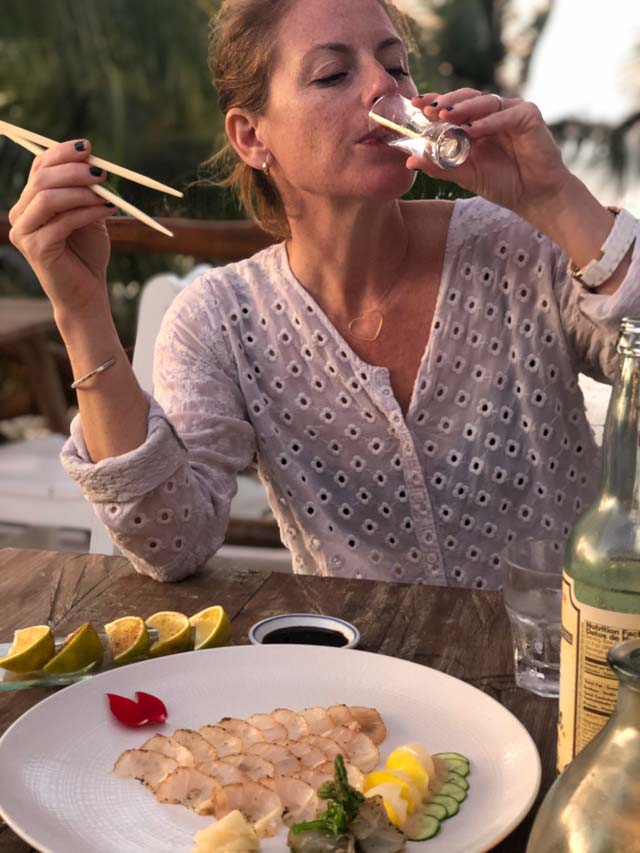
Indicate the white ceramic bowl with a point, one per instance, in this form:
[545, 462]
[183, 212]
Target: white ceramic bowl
[259, 632]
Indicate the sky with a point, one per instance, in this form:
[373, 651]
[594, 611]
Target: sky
[586, 65]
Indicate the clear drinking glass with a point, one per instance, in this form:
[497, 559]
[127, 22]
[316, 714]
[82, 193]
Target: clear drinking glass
[532, 586]
[447, 145]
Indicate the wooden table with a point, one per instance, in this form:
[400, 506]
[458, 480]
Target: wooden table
[24, 325]
[461, 632]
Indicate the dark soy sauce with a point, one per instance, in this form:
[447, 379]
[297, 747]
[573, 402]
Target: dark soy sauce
[309, 636]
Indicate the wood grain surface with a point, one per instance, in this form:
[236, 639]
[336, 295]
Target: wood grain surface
[464, 633]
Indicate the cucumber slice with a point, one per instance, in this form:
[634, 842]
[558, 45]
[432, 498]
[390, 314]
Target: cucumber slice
[436, 810]
[448, 802]
[452, 776]
[457, 767]
[425, 826]
[451, 756]
[450, 789]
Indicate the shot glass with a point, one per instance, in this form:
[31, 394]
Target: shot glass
[447, 145]
[532, 587]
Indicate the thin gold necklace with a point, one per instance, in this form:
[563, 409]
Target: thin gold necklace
[354, 326]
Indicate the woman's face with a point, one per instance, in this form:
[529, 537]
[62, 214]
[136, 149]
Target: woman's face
[334, 58]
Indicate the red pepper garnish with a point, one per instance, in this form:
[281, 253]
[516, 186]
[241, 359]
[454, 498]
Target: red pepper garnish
[154, 708]
[148, 709]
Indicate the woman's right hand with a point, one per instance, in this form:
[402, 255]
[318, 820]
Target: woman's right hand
[58, 225]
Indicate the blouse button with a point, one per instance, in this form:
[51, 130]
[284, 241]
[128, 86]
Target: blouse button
[424, 509]
[336, 561]
[386, 392]
[415, 478]
[432, 558]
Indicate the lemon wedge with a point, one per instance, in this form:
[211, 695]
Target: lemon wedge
[30, 650]
[394, 803]
[404, 761]
[406, 788]
[174, 632]
[213, 627]
[423, 756]
[81, 649]
[128, 639]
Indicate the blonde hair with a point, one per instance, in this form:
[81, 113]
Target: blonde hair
[242, 53]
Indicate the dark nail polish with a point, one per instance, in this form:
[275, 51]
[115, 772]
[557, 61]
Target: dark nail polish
[109, 204]
[433, 104]
[95, 170]
[80, 145]
[448, 108]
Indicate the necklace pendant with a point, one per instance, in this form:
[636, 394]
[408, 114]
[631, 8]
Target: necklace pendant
[361, 327]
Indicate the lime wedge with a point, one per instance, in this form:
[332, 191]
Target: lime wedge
[128, 639]
[213, 627]
[81, 649]
[174, 632]
[30, 650]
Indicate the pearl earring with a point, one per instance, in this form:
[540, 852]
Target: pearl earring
[265, 168]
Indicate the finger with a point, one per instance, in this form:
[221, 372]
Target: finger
[49, 203]
[58, 175]
[73, 150]
[476, 107]
[62, 226]
[518, 119]
[448, 101]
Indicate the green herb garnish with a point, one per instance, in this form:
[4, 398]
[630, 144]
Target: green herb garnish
[343, 802]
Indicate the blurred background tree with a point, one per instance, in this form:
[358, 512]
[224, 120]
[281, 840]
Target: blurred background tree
[133, 78]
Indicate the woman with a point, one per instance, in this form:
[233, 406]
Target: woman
[403, 372]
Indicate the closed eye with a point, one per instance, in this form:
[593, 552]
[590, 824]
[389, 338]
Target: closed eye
[397, 72]
[331, 80]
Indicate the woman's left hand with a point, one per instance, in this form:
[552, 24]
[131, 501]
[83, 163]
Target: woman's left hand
[514, 161]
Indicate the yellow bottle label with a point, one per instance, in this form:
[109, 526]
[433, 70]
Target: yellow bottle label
[588, 687]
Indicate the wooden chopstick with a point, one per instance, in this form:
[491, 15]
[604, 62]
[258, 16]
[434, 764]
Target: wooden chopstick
[15, 131]
[98, 189]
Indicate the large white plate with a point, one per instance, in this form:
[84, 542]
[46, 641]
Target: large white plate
[58, 793]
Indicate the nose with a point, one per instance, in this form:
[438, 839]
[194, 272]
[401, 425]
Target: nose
[379, 83]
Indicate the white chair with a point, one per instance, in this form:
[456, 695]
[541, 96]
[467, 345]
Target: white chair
[36, 491]
[596, 401]
[250, 501]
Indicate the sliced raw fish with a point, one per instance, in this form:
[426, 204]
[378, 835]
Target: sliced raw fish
[358, 748]
[221, 740]
[371, 723]
[189, 787]
[223, 771]
[200, 748]
[247, 733]
[271, 729]
[342, 716]
[318, 720]
[325, 744]
[307, 755]
[145, 765]
[295, 724]
[253, 766]
[299, 799]
[169, 746]
[256, 802]
[283, 760]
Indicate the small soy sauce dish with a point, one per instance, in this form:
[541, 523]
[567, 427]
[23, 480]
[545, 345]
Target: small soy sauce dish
[311, 629]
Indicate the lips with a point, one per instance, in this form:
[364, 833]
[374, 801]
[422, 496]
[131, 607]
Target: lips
[377, 136]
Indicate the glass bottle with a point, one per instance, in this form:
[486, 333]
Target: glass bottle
[594, 807]
[601, 578]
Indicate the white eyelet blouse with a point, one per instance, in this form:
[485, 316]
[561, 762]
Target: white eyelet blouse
[495, 444]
